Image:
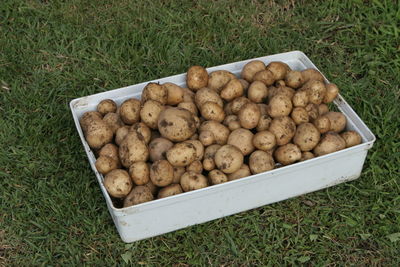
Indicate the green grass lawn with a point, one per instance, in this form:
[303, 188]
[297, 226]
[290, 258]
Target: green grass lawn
[52, 211]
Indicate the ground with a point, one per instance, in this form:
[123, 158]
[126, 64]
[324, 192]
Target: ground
[51, 208]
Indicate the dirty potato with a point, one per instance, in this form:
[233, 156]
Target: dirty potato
[228, 159]
[196, 78]
[242, 139]
[155, 92]
[118, 183]
[193, 181]
[130, 111]
[106, 106]
[217, 177]
[181, 154]
[140, 172]
[261, 161]
[176, 124]
[249, 115]
[139, 194]
[161, 173]
[287, 154]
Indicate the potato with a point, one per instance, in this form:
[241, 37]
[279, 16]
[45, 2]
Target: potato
[153, 189]
[155, 92]
[198, 147]
[279, 105]
[338, 121]
[208, 164]
[176, 124]
[193, 181]
[307, 136]
[113, 121]
[212, 111]
[232, 90]
[278, 69]
[242, 139]
[287, 154]
[249, 115]
[118, 183]
[195, 166]
[143, 130]
[351, 138]
[109, 150]
[206, 138]
[178, 171]
[264, 123]
[251, 68]
[217, 177]
[181, 154]
[311, 74]
[306, 155]
[294, 79]
[234, 125]
[196, 78]
[283, 128]
[140, 172]
[323, 124]
[332, 92]
[219, 131]
[228, 159]
[316, 91]
[264, 140]
[299, 115]
[149, 113]
[190, 106]
[264, 76]
[261, 161]
[105, 164]
[106, 106]
[330, 142]
[87, 119]
[217, 79]
[188, 95]
[175, 93]
[130, 111]
[244, 171]
[97, 132]
[300, 99]
[312, 110]
[281, 90]
[171, 190]
[138, 195]
[245, 84]
[238, 103]
[161, 173]
[120, 134]
[229, 119]
[209, 153]
[132, 149]
[257, 92]
[206, 94]
[323, 109]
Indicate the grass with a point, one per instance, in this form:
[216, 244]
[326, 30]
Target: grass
[51, 208]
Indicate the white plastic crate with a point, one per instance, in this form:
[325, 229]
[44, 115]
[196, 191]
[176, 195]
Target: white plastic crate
[165, 215]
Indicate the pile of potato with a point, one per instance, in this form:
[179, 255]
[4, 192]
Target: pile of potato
[220, 128]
